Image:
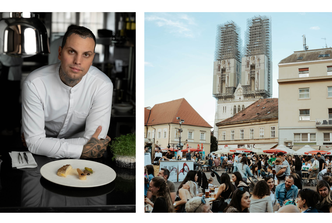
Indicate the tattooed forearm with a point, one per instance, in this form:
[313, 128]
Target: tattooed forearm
[94, 148]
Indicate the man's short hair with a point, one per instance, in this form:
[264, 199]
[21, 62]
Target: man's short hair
[319, 153]
[290, 176]
[79, 30]
[280, 154]
[166, 172]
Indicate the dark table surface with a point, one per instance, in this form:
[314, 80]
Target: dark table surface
[25, 190]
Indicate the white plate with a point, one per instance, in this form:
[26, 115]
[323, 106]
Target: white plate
[102, 174]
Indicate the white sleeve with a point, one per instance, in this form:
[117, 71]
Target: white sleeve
[33, 127]
[100, 113]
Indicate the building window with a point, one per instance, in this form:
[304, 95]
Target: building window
[304, 72]
[159, 134]
[304, 115]
[234, 110]
[149, 134]
[303, 93]
[190, 135]
[329, 92]
[251, 133]
[232, 135]
[238, 108]
[273, 131]
[165, 134]
[241, 133]
[304, 137]
[202, 136]
[329, 70]
[261, 132]
[327, 137]
[223, 135]
[242, 107]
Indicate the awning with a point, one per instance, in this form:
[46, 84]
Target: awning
[265, 146]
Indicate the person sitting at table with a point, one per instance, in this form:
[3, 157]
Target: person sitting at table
[191, 176]
[307, 200]
[238, 181]
[325, 197]
[243, 168]
[169, 155]
[240, 202]
[324, 172]
[306, 166]
[66, 107]
[198, 205]
[149, 174]
[225, 191]
[185, 193]
[164, 173]
[270, 181]
[286, 191]
[163, 202]
[260, 199]
[279, 167]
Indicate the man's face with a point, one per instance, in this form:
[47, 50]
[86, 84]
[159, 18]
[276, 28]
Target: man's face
[323, 191]
[161, 174]
[288, 183]
[282, 157]
[76, 58]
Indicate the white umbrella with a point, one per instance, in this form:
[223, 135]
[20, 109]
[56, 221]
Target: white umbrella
[223, 151]
[301, 151]
[285, 148]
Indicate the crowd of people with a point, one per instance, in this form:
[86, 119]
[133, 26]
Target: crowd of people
[248, 183]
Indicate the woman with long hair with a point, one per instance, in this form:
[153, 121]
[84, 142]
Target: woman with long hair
[240, 202]
[163, 202]
[186, 192]
[260, 199]
[238, 181]
[254, 170]
[191, 176]
[148, 175]
[225, 191]
[307, 200]
[243, 168]
[270, 181]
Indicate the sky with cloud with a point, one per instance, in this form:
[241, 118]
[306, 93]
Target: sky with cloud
[180, 47]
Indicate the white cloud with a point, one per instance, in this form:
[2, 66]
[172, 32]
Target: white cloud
[178, 24]
[148, 64]
[315, 27]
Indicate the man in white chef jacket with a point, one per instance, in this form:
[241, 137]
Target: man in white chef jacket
[66, 107]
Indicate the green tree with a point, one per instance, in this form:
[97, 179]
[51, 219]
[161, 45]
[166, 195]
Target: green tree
[214, 143]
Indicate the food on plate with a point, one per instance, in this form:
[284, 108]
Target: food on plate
[87, 169]
[81, 174]
[63, 171]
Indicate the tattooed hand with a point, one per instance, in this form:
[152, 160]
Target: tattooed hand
[95, 148]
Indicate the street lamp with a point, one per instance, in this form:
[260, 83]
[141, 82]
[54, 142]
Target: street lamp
[180, 145]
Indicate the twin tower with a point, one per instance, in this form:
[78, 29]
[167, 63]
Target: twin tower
[241, 77]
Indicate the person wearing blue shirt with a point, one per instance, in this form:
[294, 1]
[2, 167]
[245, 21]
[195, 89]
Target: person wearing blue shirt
[243, 169]
[286, 191]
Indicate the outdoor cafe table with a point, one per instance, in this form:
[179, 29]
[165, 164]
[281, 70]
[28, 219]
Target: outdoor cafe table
[25, 190]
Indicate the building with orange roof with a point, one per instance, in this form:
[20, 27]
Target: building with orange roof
[254, 127]
[162, 125]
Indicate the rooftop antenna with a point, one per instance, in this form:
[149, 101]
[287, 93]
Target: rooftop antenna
[325, 42]
[305, 47]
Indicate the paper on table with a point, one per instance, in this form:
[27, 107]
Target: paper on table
[15, 164]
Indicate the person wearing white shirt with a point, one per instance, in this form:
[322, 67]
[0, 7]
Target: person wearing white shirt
[66, 107]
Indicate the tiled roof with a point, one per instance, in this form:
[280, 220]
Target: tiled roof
[166, 113]
[147, 113]
[263, 109]
[308, 55]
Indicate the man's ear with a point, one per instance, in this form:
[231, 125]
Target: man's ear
[59, 50]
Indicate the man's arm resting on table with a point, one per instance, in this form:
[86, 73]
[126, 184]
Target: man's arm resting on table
[95, 148]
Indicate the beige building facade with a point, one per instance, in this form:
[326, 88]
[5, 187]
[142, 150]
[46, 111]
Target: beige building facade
[168, 134]
[305, 99]
[254, 127]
